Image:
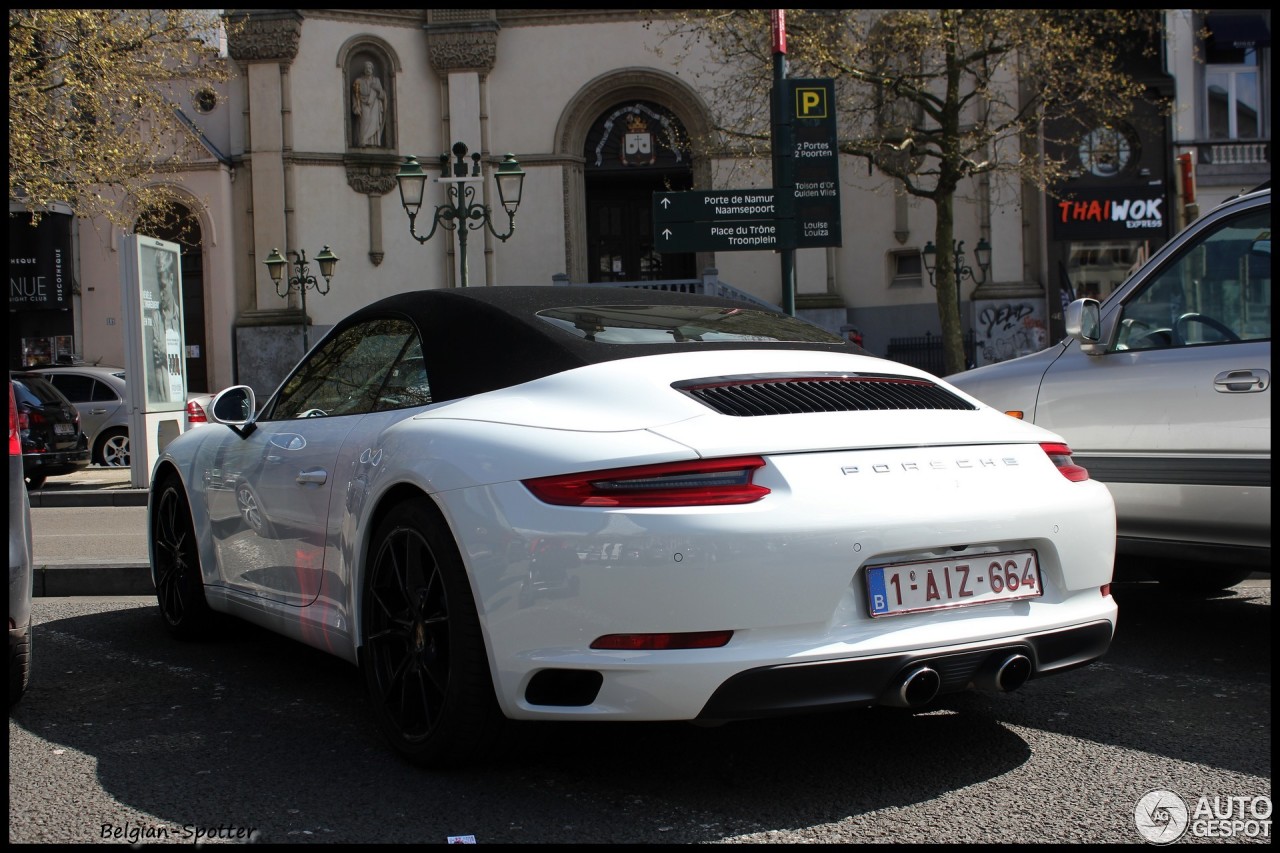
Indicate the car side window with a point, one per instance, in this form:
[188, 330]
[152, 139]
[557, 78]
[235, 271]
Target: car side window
[1217, 290]
[77, 389]
[346, 374]
[104, 393]
[406, 384]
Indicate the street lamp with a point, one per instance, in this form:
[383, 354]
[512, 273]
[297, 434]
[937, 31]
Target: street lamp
[981, 253]
[303, 281]
[461, 212]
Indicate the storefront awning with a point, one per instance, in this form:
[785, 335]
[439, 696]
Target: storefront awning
[1239, 31]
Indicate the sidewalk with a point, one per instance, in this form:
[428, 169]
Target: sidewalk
[90, 535]
[94, 486]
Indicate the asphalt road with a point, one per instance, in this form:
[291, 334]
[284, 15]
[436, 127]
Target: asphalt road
[127, 731]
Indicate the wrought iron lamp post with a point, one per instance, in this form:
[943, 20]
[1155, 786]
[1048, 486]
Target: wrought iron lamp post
[981, 254]
[461, 212]
[303, 281]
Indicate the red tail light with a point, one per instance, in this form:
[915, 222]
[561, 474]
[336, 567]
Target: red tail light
[656, 642]
[196, 414]
[1061, 456]
[700, 482]
[17, 423]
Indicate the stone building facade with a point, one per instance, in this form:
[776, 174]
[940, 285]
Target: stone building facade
[305, 141]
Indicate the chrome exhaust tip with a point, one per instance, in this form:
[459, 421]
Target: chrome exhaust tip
[1005, 674]
[917, 687]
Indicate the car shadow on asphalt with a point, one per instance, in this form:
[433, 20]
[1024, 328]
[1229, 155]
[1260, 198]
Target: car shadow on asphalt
[267, 732]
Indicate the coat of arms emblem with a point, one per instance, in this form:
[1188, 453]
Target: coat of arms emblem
[637, 148]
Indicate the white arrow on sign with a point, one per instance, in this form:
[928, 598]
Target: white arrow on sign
[666, 202]
[666, 232]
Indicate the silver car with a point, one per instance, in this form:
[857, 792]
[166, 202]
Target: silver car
[1164, 393]
[98, 393]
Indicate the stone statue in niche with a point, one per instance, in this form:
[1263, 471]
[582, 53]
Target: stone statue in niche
[369, 105]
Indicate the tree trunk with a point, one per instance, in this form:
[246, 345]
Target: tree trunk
[944, 278]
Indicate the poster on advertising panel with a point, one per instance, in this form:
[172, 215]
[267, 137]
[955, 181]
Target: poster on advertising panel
[156, 343]
[155, 369]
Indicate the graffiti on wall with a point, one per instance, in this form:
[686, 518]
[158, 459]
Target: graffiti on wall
[1006, 330]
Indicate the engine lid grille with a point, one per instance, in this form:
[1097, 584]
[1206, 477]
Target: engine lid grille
[790, 394]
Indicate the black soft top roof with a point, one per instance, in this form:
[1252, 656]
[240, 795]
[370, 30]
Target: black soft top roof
[484, 338]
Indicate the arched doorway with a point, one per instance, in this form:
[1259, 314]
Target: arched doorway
[633, 149]
[179, 225]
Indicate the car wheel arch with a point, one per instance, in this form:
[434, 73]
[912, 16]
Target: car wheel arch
[368, 526]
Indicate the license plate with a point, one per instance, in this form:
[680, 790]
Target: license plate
[962, 581]
[63, 429]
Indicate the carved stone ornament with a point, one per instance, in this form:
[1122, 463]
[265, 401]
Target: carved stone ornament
[470, 50]
[265, 36]
[372, 176]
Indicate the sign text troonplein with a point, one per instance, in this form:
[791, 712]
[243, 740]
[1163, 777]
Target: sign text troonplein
[718, 220]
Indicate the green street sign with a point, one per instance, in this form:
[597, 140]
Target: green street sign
[807, 172]
[727, 236]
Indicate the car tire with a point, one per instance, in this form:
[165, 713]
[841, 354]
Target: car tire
[113, 449]
[422, 652]
[175, 560]
[19, 668]
[35, 481]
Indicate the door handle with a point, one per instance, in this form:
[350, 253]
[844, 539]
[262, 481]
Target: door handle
[315, 475]
[1242, 381]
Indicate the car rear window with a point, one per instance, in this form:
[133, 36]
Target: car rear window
[665, 324]
[35, 391]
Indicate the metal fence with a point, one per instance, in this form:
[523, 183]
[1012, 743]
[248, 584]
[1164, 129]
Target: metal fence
[926, 352]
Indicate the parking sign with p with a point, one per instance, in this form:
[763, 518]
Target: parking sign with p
[811, 102]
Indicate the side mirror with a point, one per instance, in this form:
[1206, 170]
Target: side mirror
[235, 407]
[1083, 320]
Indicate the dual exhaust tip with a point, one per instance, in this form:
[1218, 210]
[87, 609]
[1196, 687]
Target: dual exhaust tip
[920, 684]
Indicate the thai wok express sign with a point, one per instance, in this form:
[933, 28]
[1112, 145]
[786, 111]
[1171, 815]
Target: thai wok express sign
[1120, 213]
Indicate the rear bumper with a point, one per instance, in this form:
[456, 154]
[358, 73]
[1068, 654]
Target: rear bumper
[54, 464]
[821, 686]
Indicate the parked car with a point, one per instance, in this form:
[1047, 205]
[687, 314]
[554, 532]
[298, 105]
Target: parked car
[581, 503]
[98, 393]
[1164, 393]
[48, 429]
[21, 566]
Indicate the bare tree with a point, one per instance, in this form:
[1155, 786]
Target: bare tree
[91, 105]
[931, 97]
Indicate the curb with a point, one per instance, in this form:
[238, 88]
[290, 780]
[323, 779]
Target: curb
[93, 577]
[89, 497]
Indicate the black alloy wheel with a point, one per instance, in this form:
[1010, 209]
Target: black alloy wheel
[175, 561]
[422, 653]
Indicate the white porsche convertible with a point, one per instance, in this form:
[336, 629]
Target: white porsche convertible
[621, 504]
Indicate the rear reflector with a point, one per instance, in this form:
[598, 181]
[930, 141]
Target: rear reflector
[659, 642]
[17, 423]
[699, 482]
[1061, 456]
